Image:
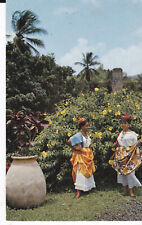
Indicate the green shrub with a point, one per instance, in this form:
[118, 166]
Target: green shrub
[103, 110]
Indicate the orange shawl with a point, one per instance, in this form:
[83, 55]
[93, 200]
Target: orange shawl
[84, 161]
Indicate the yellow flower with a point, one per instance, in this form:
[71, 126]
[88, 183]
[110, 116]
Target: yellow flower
[100, 135]
[115, 93]
[69, 134]
[63, 112]
[134, 117]
[66, 103]
[94, 117]
[104, 112]
[53, 143]
[109, 110]
[118, 106]
[96, 89]
[128, 101]
[137, 106]
[127, 96]
[82, 94]
[117, 113]
[110, 128]
[47, 145]
[44, 154]
[57, 131]
[110, 162]
[50, 122]
[74, 119]
[108, 103]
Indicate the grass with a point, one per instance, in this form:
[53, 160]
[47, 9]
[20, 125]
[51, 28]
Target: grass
[64, 207]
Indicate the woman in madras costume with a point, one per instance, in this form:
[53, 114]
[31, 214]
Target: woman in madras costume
[126, 158]
[82, 159]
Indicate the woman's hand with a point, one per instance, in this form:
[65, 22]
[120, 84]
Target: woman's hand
[138, 153]
[77, 148]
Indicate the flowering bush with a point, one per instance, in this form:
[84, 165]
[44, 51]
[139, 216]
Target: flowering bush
[103, 110]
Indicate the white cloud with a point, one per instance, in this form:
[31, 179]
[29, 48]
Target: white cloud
[63, 10]
[129, 59]
[75, 53]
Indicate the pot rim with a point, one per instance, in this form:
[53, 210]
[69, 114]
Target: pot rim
[25, 157]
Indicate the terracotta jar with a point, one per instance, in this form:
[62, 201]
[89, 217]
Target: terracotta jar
[25, 183]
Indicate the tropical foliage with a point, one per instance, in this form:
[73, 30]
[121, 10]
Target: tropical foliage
[35, 82]
[103, 110]
[38, 84]
[24, 24]
[88, 62]
[23, 128]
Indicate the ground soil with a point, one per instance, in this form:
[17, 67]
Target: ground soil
[131, 210]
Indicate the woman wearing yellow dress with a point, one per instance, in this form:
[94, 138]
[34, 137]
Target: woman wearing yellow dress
[82, 159]
[126, 158]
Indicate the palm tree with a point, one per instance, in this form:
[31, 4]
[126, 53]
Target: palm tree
[24, 24]
[87, 62]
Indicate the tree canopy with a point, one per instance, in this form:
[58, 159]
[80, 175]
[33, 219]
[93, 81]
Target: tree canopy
[88, 62]
[24, 24]
[35, 82]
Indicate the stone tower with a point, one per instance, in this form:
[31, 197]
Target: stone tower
[117, 79]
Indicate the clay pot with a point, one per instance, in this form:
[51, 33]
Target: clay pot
[25, 183]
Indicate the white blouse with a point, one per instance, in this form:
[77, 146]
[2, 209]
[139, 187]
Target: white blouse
[128, 138]
[86, 141]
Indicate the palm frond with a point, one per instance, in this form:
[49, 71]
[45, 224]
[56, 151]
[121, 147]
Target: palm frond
[94, 63]
[33, 30]
[23, 23]
[15, 18]
[31, 47]
[94, 57]
[27, 19]
[95, 71]
[81, 72]
[35, 41]
[79, 63]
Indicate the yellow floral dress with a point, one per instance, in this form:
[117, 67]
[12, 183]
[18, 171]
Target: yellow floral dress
[125, 161]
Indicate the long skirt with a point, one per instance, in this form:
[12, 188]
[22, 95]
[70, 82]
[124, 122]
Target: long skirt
[83, 183]
[130, 180]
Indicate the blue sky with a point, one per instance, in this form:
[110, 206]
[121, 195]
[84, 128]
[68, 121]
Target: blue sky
[111, 29]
